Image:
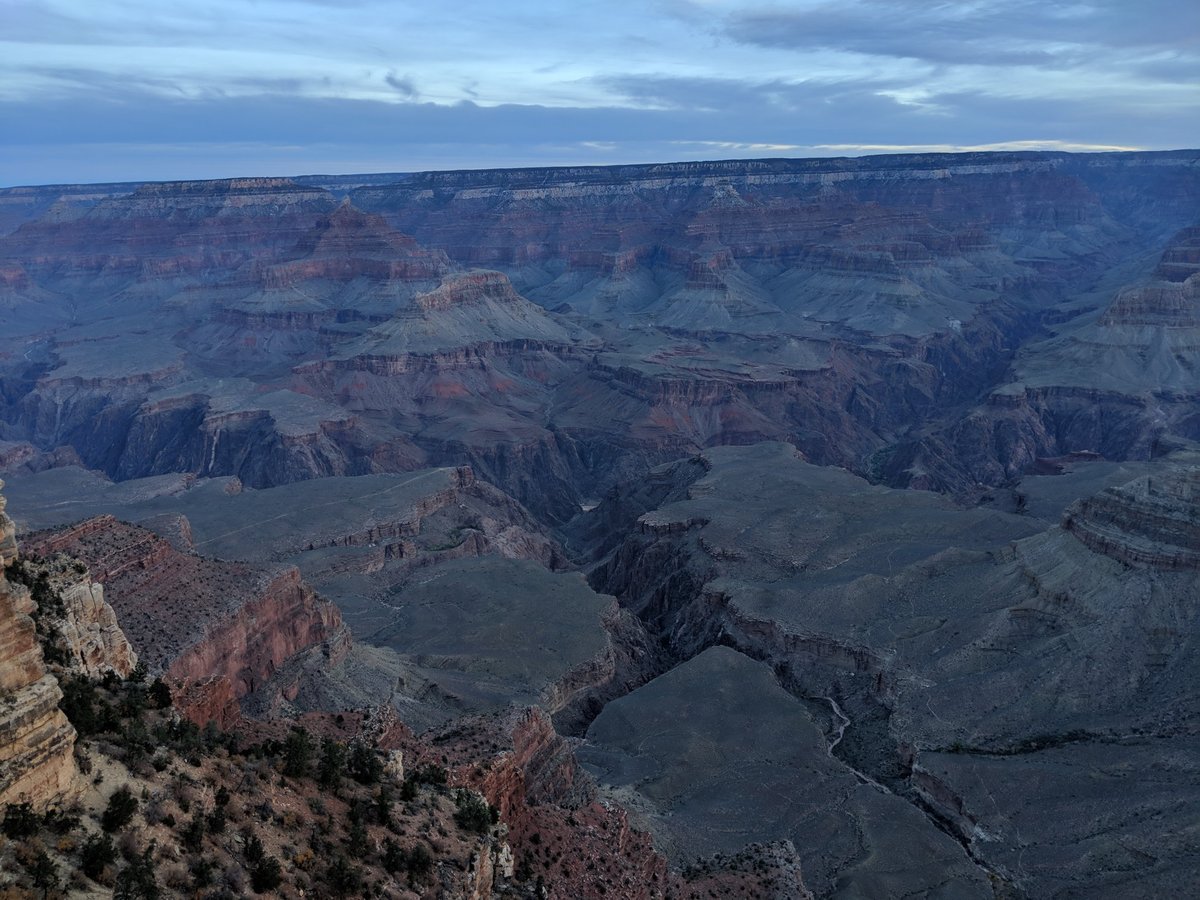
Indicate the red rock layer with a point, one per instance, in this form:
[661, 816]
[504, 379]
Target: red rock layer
[559, 832]
[197, 620]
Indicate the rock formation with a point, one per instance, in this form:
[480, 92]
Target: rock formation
[36, 741]
[1153, 521]
[87, 629]
[952, 657]
[709, 382]
[854, 308]
[198, 621]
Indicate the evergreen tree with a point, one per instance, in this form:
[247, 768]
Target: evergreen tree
[364, 764]
[43, 872]
[121, 807]
[332, 765]
[297, 753]
[136, 881]
[342, 878]
[98, 853]
[266, 875]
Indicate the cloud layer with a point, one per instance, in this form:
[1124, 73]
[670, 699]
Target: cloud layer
[130, 90]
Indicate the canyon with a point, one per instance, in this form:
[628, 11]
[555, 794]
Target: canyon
[805, 527]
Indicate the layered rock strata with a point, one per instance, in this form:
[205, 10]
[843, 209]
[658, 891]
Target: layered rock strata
[266, 329]
[87, 629]
[195, 620]
[1152, 521]
[962, 660]
[37, 742]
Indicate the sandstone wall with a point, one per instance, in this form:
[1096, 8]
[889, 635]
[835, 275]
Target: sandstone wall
[36, 740]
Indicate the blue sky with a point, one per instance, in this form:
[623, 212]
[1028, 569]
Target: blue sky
[98, 90]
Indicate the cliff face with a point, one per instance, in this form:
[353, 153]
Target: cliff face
[556, 826]
[36, 740]
[1116, 378]
[1153, 521]
[87, 628]
[854, 308]
[975, 662]
[199, 621]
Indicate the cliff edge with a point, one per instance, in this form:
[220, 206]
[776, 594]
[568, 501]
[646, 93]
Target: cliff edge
[36, 741]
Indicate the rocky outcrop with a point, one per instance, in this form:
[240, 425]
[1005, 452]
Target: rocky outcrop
[1163, 304]
[196, 620]
[549, 807]
[37, 742]
[630, 658]
[88, 628]
[1152, 521]
[836, 304]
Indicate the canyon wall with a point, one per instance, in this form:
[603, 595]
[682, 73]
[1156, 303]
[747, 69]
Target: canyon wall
[198, 621]
[37, 742]
[882, 314]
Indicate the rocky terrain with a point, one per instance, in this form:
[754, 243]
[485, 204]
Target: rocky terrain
[734, 529]
[277, 330]
[198, 621]
[979, 666]
[36, 740]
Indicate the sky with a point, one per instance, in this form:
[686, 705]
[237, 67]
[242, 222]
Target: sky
[131, 90]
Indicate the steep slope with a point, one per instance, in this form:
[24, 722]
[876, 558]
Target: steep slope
[197, 621]
[1117, 377]
[36, 740]
[959, 652]
[881, 244]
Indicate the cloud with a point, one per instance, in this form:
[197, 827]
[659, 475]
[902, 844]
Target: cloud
[995, 147]
[746, 98]
[990, 32]
[1176, 69]
[737, 119]
[398, 90]
[404, 86]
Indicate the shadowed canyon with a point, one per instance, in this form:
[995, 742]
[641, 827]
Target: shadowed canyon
[772, 528]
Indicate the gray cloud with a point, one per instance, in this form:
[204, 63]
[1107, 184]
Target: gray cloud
[692, 110]
[993, 32]
[1178, 70]
[405, 86]
[726, 95]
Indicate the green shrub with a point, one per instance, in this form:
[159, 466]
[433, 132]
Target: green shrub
[420, 860]
[252, 848]
[98, 853]
[160, 694]
[43, 872]
[136, 881]
[78, 704]
[364, 764]
[472, 813]
[20, 821]
[121, 807]
[342, 878]
[193, 833]
[297, 753]
[266, 875]
[332, 765]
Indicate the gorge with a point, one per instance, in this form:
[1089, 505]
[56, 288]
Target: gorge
[747, 528]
